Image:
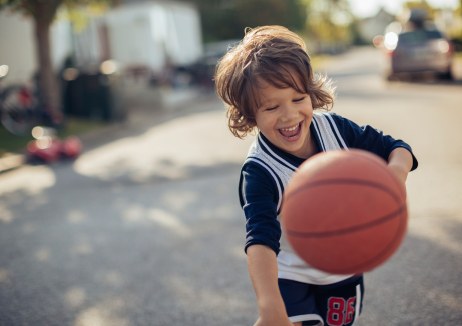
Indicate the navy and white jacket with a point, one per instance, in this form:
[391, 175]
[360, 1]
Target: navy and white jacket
[267, 171]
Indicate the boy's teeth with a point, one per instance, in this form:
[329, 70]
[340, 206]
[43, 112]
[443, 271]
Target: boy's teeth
[290, 129]
[290, 132]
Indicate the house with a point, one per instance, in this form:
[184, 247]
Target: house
[372, 26]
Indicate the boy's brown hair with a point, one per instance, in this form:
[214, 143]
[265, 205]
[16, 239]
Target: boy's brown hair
[277, 56]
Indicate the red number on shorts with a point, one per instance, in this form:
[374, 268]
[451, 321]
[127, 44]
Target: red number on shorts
[340, 312]
[350, 310]
[336, 310]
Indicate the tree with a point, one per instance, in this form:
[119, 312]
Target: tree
[329, 24]
[226, 19]
[43, 13]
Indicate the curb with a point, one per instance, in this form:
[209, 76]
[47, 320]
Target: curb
[10, 162]
[170, 100]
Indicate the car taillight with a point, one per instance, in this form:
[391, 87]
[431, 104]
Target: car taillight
[391, 53]
[451, 48]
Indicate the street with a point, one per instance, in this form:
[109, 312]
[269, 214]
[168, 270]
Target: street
[145, 228]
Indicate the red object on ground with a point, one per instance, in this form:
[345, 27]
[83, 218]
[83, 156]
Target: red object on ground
[71, 147]
[45, 149]
[49, 149]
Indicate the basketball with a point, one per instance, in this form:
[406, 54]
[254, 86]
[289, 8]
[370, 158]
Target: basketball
[344, 212]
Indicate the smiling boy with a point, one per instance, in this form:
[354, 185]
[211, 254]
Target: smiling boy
[268, 84]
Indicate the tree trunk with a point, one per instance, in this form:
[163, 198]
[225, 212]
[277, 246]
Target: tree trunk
[49, 87]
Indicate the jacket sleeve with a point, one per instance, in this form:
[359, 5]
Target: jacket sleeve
[371, 139]
[258, 196]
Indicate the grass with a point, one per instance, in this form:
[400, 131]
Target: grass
[10, 143]
[318, 61]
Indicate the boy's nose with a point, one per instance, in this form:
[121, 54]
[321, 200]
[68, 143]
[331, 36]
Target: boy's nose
[288, 113]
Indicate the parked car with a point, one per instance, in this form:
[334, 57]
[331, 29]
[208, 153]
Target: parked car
[418, 51]
[204, 69]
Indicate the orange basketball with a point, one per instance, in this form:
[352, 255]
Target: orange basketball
[344, 212]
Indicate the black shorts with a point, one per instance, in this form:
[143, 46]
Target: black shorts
[337, 304]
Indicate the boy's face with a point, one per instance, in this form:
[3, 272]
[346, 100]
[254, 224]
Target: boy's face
[284, 117]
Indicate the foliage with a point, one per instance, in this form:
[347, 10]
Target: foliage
[228, 19]
[329, 25]
[43, 10]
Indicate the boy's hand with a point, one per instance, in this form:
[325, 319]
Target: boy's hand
[399, 173]
[273, 313]
[400, 163]
[273, 321]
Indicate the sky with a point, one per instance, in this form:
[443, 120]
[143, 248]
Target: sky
[369, 8]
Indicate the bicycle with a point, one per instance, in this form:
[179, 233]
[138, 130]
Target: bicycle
[21, 107]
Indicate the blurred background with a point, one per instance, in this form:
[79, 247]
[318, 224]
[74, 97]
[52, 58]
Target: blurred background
[118, 175]
[80, 55]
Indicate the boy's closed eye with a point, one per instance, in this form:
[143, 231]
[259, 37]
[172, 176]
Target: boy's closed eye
[295, 100]
[271, 108]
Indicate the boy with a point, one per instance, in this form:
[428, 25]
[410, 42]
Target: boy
[268, 84]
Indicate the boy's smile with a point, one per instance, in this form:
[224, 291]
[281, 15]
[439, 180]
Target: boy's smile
[284, 117]
[291, 133]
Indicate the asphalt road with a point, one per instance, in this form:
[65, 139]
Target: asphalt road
[145, 227]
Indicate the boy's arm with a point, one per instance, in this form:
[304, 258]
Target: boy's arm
[400, 162]
[263, 270]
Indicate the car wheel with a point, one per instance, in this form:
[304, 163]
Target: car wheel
[391, 77]
[447, 75]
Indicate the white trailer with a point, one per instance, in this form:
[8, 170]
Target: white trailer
[154, 34]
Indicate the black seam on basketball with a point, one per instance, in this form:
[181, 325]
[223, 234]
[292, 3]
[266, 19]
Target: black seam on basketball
[386, 249]
[345, 181]
[355, 228]
[383, 253]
